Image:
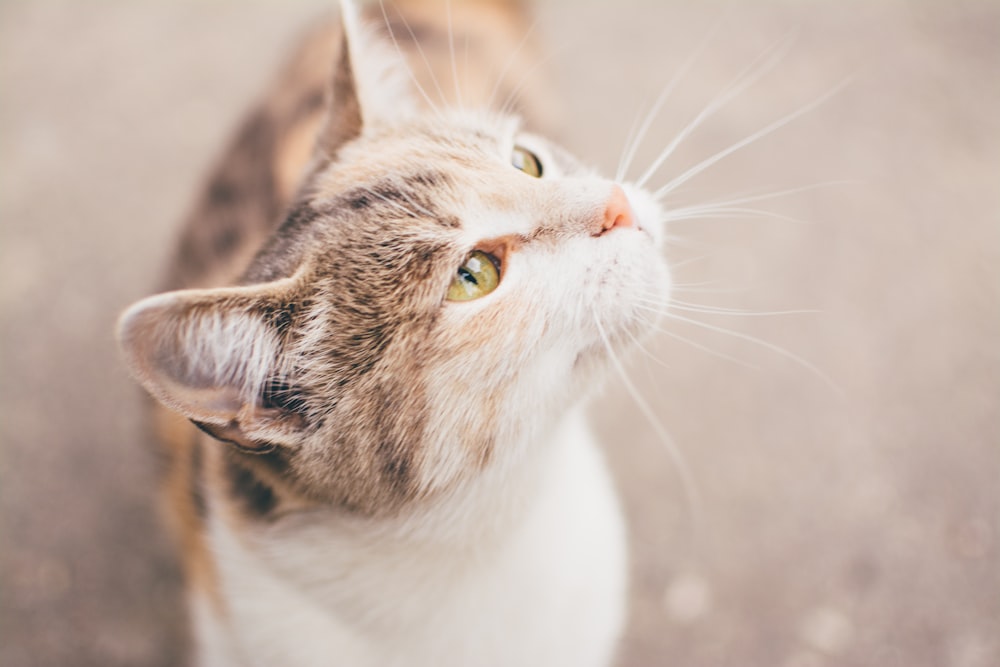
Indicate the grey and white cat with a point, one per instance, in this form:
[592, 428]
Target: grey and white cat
[385, 316]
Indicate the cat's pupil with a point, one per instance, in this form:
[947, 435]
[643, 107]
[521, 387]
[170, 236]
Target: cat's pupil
[467, 276]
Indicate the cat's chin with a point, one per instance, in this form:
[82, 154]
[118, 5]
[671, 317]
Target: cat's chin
[600, 356]
[591, 359]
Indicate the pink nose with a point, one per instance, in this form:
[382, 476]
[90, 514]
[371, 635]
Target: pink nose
[617, 212]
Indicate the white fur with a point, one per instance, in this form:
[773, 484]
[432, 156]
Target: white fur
[524, 567]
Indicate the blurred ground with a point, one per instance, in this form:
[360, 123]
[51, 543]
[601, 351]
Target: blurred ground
[852, 528]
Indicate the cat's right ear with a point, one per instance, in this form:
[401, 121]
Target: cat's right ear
[368, 85]
[215, 356]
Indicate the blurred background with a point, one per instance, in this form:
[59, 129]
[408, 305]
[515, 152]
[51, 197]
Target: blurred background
[850, 509]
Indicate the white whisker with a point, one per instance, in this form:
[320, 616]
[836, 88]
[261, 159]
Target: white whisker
[451, 50]
[743, 80]
[769, 346]
[632, 145]
[690, 260]
[713, 310]
[631, 142]
[515, 92]
[763, 132]
[651, 115]
[510, 61]
[404, 62]
[746, 199]
[689, 486]
[695, 288]
[706, 349]
[423, 57]
[730, 213]
[465, 53]
[687, 242]
[642, 348]
[710, 310]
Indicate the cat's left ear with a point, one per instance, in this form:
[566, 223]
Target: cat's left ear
[217, 356]
[368, 85]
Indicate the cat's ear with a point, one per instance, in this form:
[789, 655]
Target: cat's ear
[368, 84]
[216, 356]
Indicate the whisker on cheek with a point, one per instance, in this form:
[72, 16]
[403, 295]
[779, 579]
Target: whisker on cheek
[691, 492]
[650, 324]
[714, 310]
[771, 57]
[733, 214]
[756, 136]
[777, 349]
[705, 348]
[750, 198]
[634, 141]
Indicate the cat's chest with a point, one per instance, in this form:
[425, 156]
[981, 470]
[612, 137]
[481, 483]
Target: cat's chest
[551, 585]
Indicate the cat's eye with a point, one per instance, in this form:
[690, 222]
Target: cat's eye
[526, 161]
[478, 276]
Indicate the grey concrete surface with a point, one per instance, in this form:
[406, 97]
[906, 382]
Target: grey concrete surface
[853, 525]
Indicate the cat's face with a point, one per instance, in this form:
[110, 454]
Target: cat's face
[443, 288]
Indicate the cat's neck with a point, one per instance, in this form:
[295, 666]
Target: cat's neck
[474, 513]
[497, 542]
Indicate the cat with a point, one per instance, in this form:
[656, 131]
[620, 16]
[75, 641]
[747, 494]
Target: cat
[382, 322]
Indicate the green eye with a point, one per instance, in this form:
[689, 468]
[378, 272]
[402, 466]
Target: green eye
[526, 161]
[478, 276]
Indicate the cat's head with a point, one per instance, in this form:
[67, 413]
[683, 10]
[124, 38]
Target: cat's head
[443, 288]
